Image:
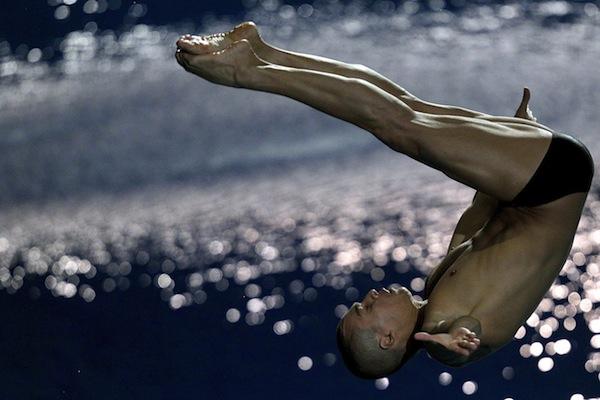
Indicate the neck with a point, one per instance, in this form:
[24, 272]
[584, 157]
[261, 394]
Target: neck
[420, 318]
[418, 326]
[413, 345]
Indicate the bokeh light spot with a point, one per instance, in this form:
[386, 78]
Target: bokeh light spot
[445, 379]
[305, 363]
[469, 387]
[545, 364]
[382, 383]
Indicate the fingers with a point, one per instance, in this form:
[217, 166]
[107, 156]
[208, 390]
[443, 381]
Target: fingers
[423, 336]
[526, 94]
[523, 107]
[466, 340]
[462, 351]
[464, 333]
[469, 345]
[471, 335]
[524, 101]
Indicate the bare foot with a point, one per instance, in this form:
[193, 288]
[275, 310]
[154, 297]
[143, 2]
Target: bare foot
[224, 67]
[195, 44]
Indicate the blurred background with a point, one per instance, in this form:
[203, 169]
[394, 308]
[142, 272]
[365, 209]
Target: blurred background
[162, 237]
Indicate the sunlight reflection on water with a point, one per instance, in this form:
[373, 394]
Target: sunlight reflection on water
[193, 245]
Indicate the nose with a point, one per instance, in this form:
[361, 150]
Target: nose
[370, 297]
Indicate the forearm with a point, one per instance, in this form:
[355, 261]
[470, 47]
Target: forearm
[469, 223]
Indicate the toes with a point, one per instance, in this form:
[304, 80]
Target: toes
[187, 38]
[182, 59]
[189, 47]
[179, 58]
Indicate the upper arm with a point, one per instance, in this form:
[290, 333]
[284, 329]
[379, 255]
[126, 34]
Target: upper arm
[484, 202]
[474, 218]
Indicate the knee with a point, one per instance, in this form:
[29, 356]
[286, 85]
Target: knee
[405, 133]
[365, 72]
[401, 139]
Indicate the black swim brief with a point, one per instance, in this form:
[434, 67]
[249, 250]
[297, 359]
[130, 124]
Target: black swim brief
[567, 168]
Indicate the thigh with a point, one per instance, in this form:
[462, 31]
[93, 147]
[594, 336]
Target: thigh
[495, 158]
[555, 223]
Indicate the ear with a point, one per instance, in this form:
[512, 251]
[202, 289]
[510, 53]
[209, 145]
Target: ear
[387, 340]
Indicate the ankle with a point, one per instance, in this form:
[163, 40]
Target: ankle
[248, 76]
[262, 49]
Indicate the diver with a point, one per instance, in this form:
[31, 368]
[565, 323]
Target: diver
[508, 246]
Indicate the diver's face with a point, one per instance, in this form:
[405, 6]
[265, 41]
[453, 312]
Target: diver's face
[382, 310]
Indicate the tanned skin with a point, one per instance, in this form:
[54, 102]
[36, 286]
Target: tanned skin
[501, 260]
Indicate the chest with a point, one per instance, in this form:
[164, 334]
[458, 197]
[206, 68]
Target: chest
[498, 279]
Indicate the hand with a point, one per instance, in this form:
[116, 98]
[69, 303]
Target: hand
[523, 111]
[461, 341]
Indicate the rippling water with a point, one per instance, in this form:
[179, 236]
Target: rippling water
[180, 237]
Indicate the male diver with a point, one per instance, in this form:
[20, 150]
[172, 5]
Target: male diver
[508, 246]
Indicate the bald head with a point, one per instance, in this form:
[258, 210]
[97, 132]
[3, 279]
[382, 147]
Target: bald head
[375, 336]
[363, 355]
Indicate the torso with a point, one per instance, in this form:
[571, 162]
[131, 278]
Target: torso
[501, 274]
